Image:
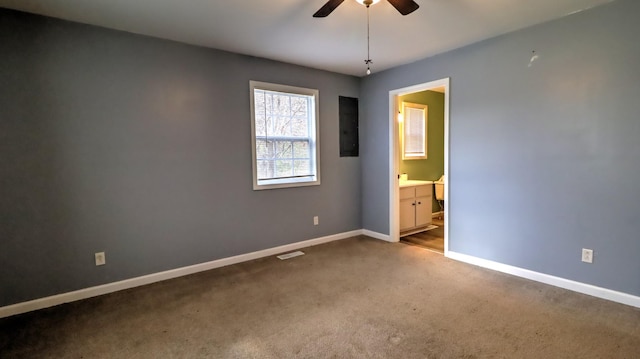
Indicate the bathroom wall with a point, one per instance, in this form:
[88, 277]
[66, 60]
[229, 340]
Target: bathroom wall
[551, 145]
[432, 167]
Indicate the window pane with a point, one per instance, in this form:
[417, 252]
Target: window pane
[265, 169]
[301, 167]
[265, 149]
[284, 168]
[283, 149]
[282, 126]
[301, 149]
[268, 125]
[261, 124]
[299, 107]
[299, 127]
[268, 101]
[260, 112]
[281, 104]
[259, 98]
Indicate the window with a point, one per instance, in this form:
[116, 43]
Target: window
[414, 141]
[284, 121]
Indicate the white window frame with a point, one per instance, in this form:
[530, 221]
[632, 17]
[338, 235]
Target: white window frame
[424, 109]
[314, 138]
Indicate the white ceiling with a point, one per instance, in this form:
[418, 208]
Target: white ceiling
[285, 29]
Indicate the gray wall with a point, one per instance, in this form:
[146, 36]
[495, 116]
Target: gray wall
[555, 148]
[141, 148]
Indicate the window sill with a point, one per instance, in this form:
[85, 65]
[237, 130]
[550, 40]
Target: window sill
[285, 183]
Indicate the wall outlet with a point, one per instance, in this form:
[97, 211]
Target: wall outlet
[587, 255]
[101, 259]
[316, 221]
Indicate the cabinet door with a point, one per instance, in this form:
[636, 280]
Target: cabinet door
[407, 213]
[423, 211]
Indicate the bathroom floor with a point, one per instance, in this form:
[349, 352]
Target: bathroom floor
[432, 239]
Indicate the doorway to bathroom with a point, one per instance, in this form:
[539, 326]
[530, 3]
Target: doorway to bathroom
[419, 158]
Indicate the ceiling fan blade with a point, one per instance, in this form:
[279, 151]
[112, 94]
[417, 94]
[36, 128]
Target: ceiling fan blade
[327, 8]
[405, 7]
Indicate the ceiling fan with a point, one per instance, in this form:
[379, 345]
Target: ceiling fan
[405, 7]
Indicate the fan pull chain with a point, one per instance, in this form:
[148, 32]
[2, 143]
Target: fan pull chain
[368, 61]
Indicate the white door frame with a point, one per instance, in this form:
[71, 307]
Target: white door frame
[394, 155]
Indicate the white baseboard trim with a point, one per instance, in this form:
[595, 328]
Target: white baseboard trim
[376, 235]
[437, 214]
[62, 298]
[579, 287]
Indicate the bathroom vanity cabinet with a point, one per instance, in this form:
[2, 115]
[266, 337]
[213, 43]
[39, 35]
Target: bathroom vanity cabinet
[415, 205]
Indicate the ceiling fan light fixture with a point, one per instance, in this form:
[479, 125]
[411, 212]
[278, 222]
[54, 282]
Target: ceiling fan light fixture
[404, 7]
[367, 2]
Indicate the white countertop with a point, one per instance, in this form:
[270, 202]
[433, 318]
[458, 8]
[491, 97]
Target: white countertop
[411, 183]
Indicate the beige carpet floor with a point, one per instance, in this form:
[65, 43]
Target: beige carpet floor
[355, 298]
